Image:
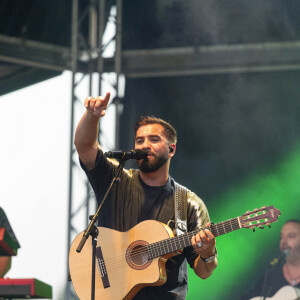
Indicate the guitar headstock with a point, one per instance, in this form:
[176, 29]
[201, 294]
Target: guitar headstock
[259, 217]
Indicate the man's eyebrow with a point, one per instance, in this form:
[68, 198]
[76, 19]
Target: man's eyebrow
[154, 135]
[150, 135]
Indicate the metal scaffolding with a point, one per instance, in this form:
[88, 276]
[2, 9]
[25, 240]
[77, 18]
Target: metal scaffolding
[92, 51]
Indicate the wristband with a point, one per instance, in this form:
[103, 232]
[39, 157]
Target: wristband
[211, 258]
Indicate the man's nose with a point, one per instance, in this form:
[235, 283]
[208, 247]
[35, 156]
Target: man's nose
[283, 243]
[146, 145]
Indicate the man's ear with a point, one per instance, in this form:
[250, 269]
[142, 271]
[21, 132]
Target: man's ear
[172, 149]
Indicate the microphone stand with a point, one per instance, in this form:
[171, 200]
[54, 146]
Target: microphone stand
[92, 229]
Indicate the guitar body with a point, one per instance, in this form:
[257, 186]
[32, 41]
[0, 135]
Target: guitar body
[126, 273]
[129, 261]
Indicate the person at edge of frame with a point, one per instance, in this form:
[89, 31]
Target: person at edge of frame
[282, 279]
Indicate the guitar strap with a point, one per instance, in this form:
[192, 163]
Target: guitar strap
[181, 196]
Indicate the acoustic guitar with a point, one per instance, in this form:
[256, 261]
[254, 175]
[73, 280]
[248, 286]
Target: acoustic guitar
[128, 261]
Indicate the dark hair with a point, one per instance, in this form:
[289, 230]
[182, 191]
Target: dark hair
[169, 130]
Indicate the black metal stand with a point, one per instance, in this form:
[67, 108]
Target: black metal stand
[94, 235]
[92, 229]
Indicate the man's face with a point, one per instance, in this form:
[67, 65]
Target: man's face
[290, 239]
[151, 138]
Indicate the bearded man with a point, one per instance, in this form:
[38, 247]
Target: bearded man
[146, 194]
[282, 280]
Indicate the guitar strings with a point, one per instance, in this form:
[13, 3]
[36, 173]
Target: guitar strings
[217, 229]
[116, 262]
[159, 246]
[174, 241]
[156, 247]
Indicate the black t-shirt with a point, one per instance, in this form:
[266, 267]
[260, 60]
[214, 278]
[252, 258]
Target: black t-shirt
[154, 198]
[130, 202]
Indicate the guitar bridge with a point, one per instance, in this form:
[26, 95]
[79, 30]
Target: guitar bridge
[102, 268]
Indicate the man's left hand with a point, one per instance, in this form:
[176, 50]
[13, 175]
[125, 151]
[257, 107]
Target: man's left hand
[204, 242]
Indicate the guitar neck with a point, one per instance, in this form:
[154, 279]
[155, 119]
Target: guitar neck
[179, 242]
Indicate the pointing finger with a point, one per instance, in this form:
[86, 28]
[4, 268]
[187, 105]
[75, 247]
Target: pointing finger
[106, 98]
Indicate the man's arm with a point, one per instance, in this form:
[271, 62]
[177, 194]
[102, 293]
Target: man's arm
[207, 241]
[86, 134]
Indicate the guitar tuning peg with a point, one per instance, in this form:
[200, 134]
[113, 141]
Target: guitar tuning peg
[269, 226]
[247, 211]
[261, 227]
[253, 229]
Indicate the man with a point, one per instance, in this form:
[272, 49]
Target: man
[145, 194]
[282, 279]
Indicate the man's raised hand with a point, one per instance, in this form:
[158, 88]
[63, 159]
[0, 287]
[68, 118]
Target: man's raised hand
[97, 106]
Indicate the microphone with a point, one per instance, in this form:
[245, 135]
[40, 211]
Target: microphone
[280, 257]
[132, 154]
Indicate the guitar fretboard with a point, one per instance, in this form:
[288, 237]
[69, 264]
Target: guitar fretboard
[179, 242]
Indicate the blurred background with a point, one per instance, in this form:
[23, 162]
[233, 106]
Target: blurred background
[225, 74]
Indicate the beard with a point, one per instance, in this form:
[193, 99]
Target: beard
[148, 167]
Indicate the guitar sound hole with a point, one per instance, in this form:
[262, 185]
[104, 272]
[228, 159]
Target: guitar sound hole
[137, 255]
